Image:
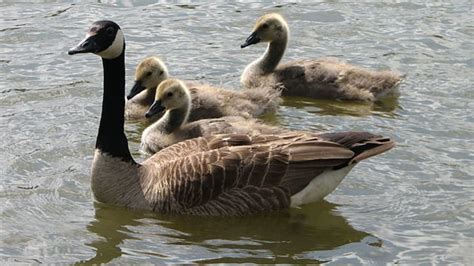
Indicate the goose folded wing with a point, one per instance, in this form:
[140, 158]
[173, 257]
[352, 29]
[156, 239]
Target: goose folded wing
[363, 144]
[239, 175]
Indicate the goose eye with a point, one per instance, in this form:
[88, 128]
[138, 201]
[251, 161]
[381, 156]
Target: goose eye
[148, 73]
[110, 31]
[265, 26]
[169, 94]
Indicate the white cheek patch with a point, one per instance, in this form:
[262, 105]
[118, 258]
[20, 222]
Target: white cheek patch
[115, 49]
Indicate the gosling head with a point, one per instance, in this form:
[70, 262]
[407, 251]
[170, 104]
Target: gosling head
[149, 74]
[171, 94]
[268, 28]
[104, 38]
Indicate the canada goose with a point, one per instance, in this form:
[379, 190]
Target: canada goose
[173, 96]
[325, 78]
[208, 101]
[227, 174]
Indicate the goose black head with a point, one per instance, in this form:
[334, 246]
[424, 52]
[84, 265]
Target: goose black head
[104, 38]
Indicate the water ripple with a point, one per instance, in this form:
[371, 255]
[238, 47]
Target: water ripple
[412, 205]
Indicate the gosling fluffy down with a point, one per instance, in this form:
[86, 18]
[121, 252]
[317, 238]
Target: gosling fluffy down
[207, 101]
[174, 98]
[326, 78]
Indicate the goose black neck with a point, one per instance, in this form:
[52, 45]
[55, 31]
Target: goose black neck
[111, 138]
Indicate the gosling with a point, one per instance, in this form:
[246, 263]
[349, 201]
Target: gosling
[325, 78]
[207, 101]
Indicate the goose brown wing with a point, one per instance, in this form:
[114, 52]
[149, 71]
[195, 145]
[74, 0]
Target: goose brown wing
[363, 144]
[237, 174]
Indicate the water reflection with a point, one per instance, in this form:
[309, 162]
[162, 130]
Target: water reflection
[329, 107]
[283, 237]
[111, 225]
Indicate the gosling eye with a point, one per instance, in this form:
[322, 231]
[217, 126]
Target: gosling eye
[110, 31]
[265, 26]
[148, 73]
[169, 94]
[161, 72]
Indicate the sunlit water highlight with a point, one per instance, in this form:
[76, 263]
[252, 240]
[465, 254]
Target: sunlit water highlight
[414, 204]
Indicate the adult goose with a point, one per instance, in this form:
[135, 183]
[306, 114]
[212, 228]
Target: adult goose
[325, 78]
[208, 101]
[228, 174]
[174, 97]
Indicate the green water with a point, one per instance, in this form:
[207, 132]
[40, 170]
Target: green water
[412, 205]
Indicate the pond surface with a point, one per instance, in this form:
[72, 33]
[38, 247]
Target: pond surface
[414, 204]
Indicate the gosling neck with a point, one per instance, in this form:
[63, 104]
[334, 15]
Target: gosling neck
[150, 96]
[272, 56]
[111, 138]
[151, 92]
[175, 118]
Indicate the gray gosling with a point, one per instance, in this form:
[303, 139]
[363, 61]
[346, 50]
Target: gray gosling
[326, 78]
[220, 175]
[174, 98]
[207, 101]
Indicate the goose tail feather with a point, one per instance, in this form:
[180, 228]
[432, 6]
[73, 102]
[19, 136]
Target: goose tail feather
[363, 144]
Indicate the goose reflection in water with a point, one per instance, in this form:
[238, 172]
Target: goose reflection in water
[385, 107]
[282, 237]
